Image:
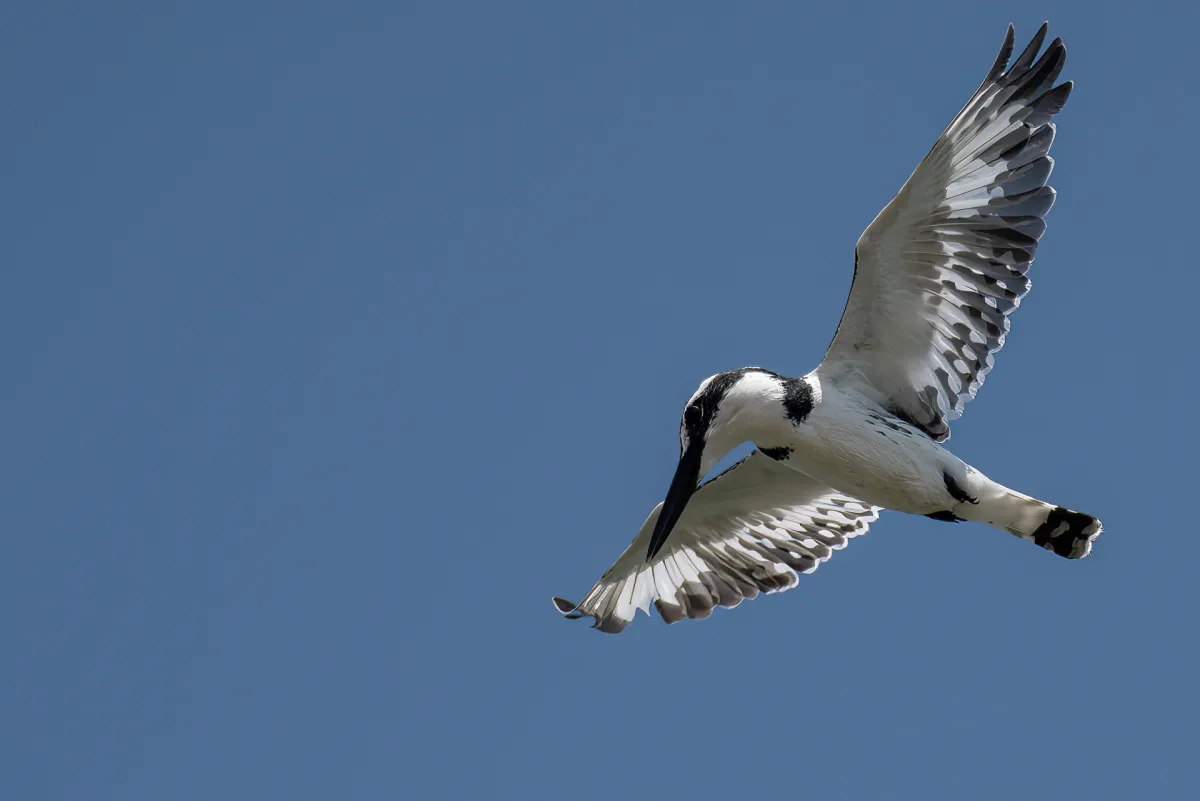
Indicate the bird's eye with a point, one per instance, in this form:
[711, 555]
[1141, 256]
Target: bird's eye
[691, 416]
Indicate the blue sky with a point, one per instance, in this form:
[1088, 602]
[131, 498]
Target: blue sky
[340, 337]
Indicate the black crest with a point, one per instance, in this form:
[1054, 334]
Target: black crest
[699, 414]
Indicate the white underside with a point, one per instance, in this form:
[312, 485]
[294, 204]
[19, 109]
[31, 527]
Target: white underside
[853, 446]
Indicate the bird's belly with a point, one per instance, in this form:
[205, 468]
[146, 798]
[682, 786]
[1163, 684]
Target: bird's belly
[875, 460]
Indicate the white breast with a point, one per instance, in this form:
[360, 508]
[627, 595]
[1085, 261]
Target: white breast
[850, 444]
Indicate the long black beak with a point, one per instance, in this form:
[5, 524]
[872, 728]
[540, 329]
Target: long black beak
[682, 487]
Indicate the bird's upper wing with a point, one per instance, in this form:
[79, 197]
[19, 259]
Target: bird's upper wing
[751, 529]
[939, 270]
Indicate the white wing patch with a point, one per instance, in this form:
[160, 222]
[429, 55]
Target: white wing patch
[943, 265]
[751, 529]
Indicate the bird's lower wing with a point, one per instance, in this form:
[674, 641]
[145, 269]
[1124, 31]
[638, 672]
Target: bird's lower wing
[751, 529]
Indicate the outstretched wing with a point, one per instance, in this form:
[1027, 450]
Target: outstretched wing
[942, 266]
[751, 529]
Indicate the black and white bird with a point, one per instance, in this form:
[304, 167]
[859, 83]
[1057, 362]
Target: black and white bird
[936, 275]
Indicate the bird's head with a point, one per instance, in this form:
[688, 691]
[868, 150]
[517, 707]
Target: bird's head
[726, 410]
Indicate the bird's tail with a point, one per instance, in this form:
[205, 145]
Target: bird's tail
[1056, 528]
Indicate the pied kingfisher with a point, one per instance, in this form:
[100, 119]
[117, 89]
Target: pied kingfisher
[936, 275]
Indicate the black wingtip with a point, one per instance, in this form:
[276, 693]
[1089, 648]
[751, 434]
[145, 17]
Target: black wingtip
[1006, 50]
[566, 608]
[1053, 101]
[1031, 50]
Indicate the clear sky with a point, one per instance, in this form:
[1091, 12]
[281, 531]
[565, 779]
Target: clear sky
[339, 337]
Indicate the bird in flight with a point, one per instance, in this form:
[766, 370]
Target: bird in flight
[936, 275]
